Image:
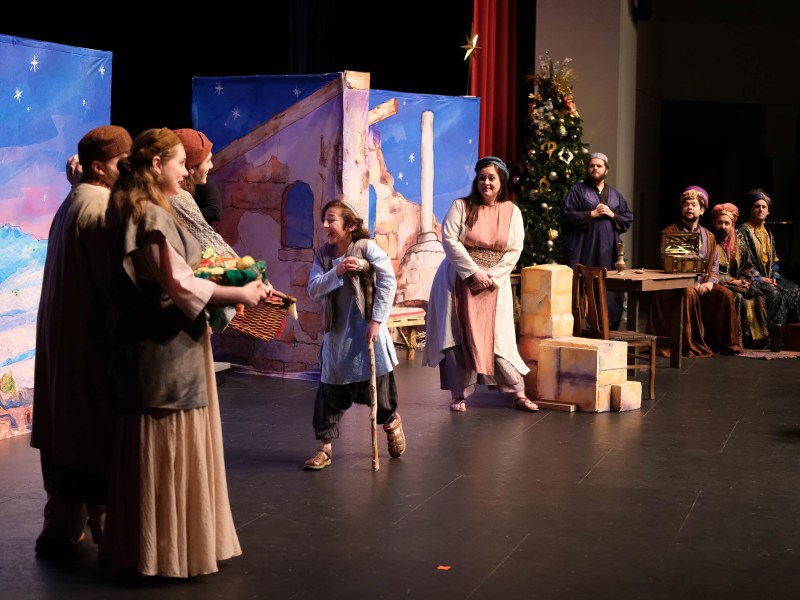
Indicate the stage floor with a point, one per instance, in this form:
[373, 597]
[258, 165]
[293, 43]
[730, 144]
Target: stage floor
[694, 496]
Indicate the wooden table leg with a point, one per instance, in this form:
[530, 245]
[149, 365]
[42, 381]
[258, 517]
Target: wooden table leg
[412, 344]
[676, 343]
[633, 311]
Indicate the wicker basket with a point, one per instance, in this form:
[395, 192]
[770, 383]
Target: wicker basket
[264, 321]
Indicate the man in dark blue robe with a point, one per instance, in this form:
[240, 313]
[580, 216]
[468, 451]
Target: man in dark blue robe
[593, 217]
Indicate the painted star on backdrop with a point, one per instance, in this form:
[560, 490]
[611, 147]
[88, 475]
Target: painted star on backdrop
[34, 64]
[400, 175]
[236, 114]
[102, 71]
[471, 46]
[218, 89]
[18, 95]
[296, 91]
[411, 158]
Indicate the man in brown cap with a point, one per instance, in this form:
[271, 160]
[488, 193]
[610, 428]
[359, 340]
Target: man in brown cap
[71, 418]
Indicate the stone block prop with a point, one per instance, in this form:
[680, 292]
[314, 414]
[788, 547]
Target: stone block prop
[546, 299]
[546, 312]
[626, 396]
[581, 371]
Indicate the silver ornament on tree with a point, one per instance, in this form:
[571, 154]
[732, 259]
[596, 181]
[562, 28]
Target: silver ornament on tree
[565, 155]
[544, 206]
[549, 244]
[552, 175]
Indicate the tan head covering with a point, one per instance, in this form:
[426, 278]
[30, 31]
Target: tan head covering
[103, 143]
[352, 206]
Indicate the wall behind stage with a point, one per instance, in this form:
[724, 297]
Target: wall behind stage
[51, 96]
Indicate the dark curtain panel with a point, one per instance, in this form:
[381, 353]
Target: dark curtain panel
[494, 76]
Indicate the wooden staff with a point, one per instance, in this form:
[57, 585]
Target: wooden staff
[373, 405]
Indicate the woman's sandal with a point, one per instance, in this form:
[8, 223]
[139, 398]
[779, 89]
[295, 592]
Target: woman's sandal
[458, 405]
[320, 460]
[525, 404]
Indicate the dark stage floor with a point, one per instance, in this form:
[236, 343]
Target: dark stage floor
[694, 496]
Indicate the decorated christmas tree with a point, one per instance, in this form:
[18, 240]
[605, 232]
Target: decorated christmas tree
[554, 159]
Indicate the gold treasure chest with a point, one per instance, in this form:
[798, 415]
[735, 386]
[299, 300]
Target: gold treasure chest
[682, 253]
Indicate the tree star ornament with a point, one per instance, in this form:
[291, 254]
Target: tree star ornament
[471, 46]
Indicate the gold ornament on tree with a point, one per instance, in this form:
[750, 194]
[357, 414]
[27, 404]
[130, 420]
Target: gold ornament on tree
[544, 185]
[549, 147]
[552, 234]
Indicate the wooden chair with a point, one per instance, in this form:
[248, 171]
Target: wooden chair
[590, 311]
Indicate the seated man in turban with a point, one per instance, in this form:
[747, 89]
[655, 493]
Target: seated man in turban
[736, 273]
[710, 323]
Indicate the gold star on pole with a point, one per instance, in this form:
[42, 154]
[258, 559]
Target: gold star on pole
[470, 46]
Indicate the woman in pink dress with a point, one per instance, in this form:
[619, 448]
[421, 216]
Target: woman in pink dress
[470, 331]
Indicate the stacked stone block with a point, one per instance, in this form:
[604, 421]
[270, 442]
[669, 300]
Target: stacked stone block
[588, 374]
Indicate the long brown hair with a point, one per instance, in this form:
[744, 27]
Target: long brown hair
[138, 180]
[475, 200]
[349, 217]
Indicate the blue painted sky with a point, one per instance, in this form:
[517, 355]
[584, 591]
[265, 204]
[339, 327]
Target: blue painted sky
[50, 96]
[227, 108]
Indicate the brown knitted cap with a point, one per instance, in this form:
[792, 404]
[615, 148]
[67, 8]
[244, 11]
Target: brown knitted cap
[103, 143]
[196, 144]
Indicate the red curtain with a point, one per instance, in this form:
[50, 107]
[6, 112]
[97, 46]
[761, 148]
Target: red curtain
[494, 76]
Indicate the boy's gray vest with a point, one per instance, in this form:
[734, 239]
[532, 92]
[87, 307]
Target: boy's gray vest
[362, 282]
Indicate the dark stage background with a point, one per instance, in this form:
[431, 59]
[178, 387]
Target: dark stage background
[157, 51]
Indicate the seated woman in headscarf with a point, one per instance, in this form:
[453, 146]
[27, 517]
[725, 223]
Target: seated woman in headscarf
[736, 274]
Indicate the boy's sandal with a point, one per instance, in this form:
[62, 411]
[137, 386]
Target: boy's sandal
[525, 404]
[458, 405]
[320, 460]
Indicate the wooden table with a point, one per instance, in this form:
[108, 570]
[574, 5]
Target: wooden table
[638, 281]
[410, 318]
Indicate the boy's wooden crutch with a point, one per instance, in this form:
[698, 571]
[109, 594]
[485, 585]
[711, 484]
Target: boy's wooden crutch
[373, 406]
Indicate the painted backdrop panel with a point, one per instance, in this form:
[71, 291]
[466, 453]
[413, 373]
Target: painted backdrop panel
[286, 144]
[50, 96]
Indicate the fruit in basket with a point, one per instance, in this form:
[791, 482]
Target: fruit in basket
[230, 270]
[245, 262]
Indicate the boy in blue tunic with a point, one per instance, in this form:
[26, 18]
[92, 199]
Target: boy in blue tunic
[354, 280]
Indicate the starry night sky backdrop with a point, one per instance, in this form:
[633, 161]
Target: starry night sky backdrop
[157, 50]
